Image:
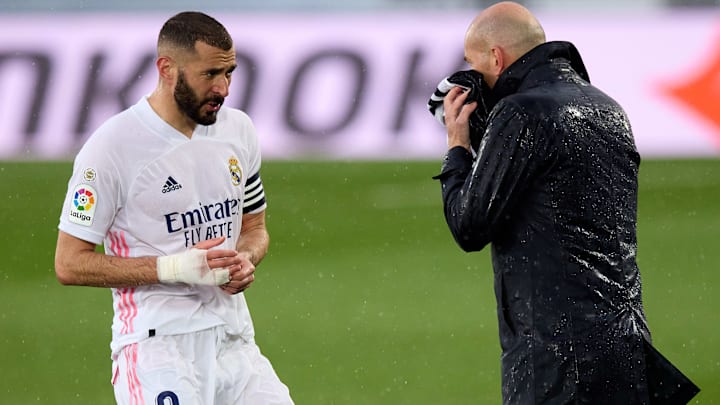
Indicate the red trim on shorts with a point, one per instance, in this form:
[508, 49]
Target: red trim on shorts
[133, 382]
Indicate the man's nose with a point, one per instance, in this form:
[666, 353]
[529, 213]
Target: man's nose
[222, 86]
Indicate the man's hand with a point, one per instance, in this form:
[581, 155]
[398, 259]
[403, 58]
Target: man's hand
[457, 115]
[477, 94]
[241, 271]
[199, 265]
[241, 275]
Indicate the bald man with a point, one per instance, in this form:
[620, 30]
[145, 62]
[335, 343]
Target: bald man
[553, 190]
[171, 187]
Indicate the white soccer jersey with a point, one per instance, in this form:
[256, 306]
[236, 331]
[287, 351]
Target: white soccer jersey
[145, 189]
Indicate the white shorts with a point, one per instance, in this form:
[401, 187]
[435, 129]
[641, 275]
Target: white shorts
[208, 367]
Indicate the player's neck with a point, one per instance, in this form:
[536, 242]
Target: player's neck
[168, 110]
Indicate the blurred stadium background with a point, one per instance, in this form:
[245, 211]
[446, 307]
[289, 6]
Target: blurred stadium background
[363, 298]
[352, 5]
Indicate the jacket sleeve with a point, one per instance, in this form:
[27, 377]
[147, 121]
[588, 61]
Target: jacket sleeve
[478, 195]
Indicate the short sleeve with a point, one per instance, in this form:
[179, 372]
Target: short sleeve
[92, 199]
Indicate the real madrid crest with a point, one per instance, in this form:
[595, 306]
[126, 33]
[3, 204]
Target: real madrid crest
[235, 171]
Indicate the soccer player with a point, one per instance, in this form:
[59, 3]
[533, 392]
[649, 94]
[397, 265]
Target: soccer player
[171, 187]
[553, 187]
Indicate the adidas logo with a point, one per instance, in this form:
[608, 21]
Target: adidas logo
[171, 185]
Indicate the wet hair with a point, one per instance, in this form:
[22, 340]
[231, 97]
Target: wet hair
[183, 30]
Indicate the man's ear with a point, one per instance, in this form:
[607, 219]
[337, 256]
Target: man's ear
[498, 60]
[166, 67]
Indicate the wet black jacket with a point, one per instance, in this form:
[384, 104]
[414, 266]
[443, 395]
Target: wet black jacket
[554, 191]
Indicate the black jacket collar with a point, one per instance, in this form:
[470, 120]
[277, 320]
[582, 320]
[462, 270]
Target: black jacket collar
[528, 69]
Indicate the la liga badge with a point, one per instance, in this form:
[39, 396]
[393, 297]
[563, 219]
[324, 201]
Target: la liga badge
[82, 207]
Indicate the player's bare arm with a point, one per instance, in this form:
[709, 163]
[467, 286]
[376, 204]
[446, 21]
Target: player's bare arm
[77, 263]
[254, 238]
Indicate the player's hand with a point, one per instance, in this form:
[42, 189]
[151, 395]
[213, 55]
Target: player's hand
[209, 244]
[457, 116]
[241, 275]
[198, 265]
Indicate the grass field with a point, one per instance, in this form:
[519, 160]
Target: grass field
[363, 298]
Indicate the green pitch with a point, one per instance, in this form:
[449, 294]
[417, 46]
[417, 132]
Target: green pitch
[363, 298]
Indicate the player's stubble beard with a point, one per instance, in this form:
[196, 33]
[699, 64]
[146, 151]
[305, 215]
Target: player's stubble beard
[188, 103]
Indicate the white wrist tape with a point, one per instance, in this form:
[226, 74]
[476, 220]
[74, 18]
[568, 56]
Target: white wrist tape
[190, 267]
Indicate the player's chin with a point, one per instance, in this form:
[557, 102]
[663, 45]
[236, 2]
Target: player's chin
[208, 118]
[207, 114]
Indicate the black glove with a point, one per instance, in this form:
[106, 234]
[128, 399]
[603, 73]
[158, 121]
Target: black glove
[479, 91]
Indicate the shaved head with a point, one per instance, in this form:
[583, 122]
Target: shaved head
[507, 25]
[183, 30]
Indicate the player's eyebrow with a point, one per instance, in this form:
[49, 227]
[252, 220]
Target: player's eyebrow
[217, 71]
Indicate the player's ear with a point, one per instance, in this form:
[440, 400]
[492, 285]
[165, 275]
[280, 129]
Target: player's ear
[166, 67]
